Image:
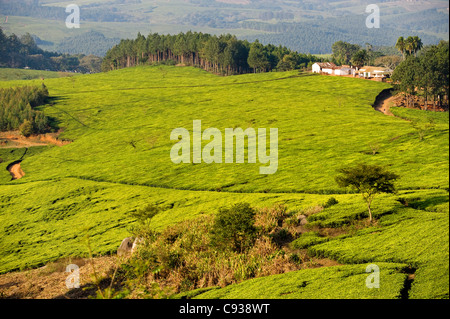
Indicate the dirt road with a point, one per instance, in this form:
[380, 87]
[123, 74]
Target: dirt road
[15, 170]
[13, 139]
[384, 101]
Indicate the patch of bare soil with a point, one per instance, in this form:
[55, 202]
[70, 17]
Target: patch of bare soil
[15, 170]
[49, 282]
[13, 139]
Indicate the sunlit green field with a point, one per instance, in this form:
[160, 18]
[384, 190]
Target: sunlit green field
[336, 282]
[120, 123]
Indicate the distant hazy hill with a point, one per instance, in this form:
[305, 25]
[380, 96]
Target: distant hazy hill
[309, 26]
[309, 37]
[91, 42]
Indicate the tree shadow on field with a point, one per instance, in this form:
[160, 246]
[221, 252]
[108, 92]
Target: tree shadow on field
[54, 123]
[423, 204]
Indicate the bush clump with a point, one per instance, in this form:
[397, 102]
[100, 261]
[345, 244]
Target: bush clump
[330, 202]
[234, 228]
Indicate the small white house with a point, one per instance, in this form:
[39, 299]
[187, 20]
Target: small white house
[373, 72]
[324, 67]
[316, 68]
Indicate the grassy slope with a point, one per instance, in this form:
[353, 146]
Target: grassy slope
[337, 282]
[324, 123]
[416, 240]
[319, 119]
[8, 74]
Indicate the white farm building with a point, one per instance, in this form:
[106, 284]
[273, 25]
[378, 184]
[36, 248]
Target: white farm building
[332, 69]
[324, 67]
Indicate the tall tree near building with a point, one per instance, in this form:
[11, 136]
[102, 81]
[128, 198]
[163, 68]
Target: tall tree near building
[401, 46]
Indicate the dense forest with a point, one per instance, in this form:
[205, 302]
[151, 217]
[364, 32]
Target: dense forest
[223, 54]
[425, 75]
[17, 110]
[23, 52]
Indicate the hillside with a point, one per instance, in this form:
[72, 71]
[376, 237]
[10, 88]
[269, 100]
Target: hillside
[119, 161]
[8, 74]
[304, 26]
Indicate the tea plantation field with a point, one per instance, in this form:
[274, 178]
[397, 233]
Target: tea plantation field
[119, 161]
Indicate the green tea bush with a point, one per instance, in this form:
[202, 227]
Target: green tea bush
[330, 202]
[234, 228]
[307, 239]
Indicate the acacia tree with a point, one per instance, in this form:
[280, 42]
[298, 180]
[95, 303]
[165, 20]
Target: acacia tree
[369, 180]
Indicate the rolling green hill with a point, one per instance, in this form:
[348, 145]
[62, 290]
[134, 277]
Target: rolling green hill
[119, 161]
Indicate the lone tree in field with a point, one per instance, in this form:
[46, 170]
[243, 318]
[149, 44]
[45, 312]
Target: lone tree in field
[368, 180]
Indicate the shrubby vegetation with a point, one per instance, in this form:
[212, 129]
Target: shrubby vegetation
[17, 110]
[239, 243]
[223, 54]
[185, 260]
[233, 227]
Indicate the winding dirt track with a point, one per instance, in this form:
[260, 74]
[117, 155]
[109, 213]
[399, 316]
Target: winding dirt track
[16, 171]
[384, 101]
[13, 139]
